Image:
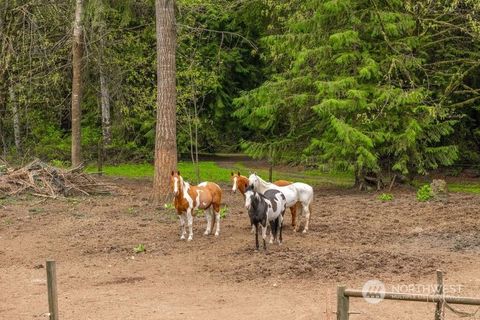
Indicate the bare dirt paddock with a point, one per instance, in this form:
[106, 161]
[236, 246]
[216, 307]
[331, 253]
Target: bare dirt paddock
[353, 238]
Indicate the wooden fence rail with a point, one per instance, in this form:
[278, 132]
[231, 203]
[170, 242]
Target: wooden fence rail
[343, 295]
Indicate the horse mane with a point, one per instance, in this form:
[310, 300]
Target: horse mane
[265, 183]
[186, 185]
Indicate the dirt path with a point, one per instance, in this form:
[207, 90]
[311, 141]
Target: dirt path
[353, 238]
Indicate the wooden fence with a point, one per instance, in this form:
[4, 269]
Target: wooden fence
[441, 300]
[52, 290]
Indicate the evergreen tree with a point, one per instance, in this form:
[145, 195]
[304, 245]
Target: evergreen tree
[352, 86]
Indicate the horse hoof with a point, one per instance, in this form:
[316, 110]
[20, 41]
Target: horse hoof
[182, 238]
[217, 234]
[271, 241]
[304, 231]
[206, 233]
[190, 239]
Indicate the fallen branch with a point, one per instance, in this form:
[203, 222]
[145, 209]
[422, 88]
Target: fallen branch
[42, 180]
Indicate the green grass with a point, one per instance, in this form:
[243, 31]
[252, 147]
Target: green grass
[384, 197]
[312, 176]
[464, 187]
[210, 171]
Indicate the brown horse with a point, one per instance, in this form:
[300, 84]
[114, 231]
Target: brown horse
[241, 183]
[206, 195]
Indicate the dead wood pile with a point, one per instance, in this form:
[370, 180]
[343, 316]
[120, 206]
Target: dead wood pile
[40, 179]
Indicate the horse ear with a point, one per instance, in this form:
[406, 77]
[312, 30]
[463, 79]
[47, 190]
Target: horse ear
[238, 172]
[173, 172]
[178, 172]
[231, 173]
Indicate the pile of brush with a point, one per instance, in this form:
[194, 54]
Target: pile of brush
[43, 180]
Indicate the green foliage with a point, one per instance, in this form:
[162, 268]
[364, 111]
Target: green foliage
[384, 197]
[214, 63]
[140, 248]
[424, 193]
[350, 85]
[464, 187]
[360, 85]
[59, 163]
[169, 206]
[132, 211]
[224, 212]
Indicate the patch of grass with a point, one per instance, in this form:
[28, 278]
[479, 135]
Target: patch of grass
[9, 201]
[385, 197]
[169, 206]
[314, 177]
[127, 170]
[8, 221]
[210, 171]
[132, 211]
[60, 163]
[140, 248]
[424, 193]
[464, 187]
[224, 212]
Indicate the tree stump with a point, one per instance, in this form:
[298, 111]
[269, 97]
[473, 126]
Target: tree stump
[439, 190]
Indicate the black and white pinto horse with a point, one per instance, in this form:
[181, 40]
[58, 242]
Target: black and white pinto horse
[263, 209]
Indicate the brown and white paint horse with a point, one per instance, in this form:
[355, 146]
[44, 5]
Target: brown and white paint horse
[241, 183]
[206, 196]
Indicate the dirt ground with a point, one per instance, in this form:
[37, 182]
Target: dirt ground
[353, 238]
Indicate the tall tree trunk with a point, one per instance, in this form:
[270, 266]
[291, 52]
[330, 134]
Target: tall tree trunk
[77, 84]
[4, 65]
[105, 101]
[16, 118]
[165, 136]
[2, 137]
[197, 168]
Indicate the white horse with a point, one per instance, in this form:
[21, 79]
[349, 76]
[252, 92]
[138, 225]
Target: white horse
[295, 192]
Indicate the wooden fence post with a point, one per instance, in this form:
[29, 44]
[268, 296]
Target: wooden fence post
[342, 303]
[439, 309]
[52, 290]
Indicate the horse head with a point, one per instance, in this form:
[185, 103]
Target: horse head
[239, 182]
[234, 178]
[254, 180]
[176, 182]
[251, 197]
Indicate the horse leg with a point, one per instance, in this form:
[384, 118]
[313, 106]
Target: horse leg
[273, 228]
[264, 236]
[208, 216]
[190, 224]
[299, 214]
[279, 231]
[182, 227]
[256, 235]
[306, 208]
[216, 208]
[293, 211]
